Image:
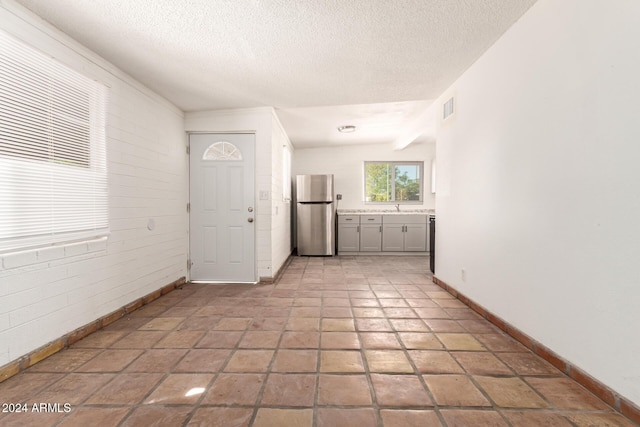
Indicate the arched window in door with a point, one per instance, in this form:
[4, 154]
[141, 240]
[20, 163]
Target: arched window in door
[222, 150]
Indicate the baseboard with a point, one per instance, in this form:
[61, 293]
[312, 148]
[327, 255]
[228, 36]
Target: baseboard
[276, 277]
[39, 354]
[621, 404]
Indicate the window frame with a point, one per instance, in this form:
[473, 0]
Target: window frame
[392, 166]
[54, 173]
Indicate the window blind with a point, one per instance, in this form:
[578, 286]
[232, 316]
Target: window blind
[53, 169]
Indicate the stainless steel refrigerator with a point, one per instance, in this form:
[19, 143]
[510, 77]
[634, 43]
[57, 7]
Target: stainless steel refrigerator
[315, 213]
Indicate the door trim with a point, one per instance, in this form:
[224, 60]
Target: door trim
[255, 234]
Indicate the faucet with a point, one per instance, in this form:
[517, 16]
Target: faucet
[398, 207]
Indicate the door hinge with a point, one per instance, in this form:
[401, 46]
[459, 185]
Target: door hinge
[188, 207]
[188, 149]
[188, 264]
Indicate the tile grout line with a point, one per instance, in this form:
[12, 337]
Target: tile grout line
[416, 371]
[159, 382]
[316, 397]
[83, 403]
[365, 364]
[331, 283]
[43, 352]
[596, 388]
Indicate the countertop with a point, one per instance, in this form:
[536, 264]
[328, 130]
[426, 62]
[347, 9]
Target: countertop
[386, 212]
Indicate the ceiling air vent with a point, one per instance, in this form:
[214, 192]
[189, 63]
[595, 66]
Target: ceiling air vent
[447, 108]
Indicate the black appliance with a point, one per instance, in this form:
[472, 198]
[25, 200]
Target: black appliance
[432, 242]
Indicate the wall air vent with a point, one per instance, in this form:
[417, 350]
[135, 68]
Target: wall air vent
[447, 108]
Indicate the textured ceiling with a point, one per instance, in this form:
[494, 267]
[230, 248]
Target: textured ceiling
[290, 54]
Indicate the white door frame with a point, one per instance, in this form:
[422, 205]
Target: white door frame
[254, 200]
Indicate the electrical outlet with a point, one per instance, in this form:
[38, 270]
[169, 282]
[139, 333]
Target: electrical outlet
[463, 274]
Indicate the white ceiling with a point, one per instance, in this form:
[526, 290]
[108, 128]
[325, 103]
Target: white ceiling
[377, 64]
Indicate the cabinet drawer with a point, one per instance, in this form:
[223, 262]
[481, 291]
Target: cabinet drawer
[405, 219]
[370, 219]
[348, 219]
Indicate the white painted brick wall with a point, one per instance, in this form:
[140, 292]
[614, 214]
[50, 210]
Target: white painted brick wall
[4, 322]
[48, 254]
[19, 259]
[280, 210]
[49, 292]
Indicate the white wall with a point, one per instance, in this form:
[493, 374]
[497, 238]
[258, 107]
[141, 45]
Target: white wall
[346, 163]
[260, 121]
[538, 191]
[45, 294]
[281, 207]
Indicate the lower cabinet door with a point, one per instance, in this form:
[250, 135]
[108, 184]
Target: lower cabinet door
[392, 237]
[415, 237]
[348, 238]
[370, 238]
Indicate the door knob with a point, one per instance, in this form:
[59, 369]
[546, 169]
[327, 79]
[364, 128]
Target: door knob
[250, 219]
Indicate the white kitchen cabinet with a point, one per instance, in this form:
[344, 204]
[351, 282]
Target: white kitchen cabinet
[382, 233]
[404, 233]
[370, 233]
[415, 237]
[392, 237]
[348, 233]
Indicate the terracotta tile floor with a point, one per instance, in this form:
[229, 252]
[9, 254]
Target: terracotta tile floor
[343, 341]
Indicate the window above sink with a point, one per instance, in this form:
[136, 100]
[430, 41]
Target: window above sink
[393, 182]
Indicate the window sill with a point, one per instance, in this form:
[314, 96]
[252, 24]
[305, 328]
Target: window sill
[51, 253]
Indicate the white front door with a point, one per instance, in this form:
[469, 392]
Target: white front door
[222, 227]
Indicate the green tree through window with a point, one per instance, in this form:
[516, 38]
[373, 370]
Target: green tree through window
[393, 182]
[378, 178]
